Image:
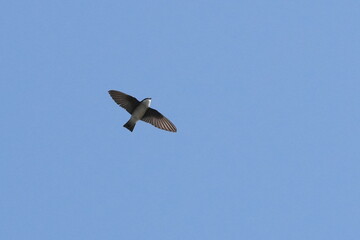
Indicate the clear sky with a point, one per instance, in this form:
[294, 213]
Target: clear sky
[265, 96]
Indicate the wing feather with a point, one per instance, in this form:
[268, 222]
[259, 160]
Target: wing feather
[128, 102]
[158, 120]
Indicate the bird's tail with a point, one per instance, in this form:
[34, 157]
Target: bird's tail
[130, 125]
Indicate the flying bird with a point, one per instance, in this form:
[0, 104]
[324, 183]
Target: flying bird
[141, 111]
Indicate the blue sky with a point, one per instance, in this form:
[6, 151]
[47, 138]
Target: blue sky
[265, 96]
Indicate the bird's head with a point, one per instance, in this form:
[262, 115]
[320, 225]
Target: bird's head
[147, 101]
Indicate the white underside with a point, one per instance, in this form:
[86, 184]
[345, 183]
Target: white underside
[140, 110]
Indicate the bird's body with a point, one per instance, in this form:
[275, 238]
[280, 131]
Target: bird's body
[141, 111]
[138, 113]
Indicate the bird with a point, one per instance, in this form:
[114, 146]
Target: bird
[141, 111]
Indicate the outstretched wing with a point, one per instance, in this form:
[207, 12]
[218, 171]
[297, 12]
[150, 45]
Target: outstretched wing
[126, 101]
[158, 120]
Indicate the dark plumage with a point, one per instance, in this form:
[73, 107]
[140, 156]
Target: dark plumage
[141, 111]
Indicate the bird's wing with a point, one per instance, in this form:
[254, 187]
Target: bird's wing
[126, 101]
[158, 120]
